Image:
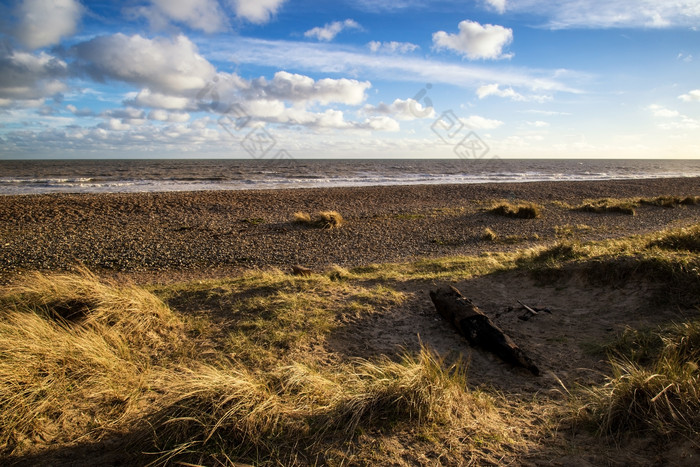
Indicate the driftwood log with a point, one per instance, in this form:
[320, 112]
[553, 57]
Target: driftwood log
[478, 328]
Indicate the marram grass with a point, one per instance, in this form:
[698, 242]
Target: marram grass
[660, 394]
[65, 378]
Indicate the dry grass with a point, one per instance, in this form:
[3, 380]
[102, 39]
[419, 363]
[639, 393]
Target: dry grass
[226, 412]
[518, 211]
[671, 201]
[608, 205]
[489, 235]
[237, 370]
[655, 385]
[118, 367]
[322, 220]
[568, 230]
[687, 239]
[75, 352]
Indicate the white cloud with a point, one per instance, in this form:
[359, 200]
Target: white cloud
[481, 123]
[165, 116]
[660, 111]
[163, 65]
[673, 120]
[498, 5]
[45, 22]
[538, 124]
[27, 77]
[565, 14]
[692, 96]
[256, 11]
[380, 123]
[125, 114]
[476, 41]
[687, 58]
[148, 98]
[330, 30]
[205, 15]
[84, 112]
[114, 124]
[327, 58]
[548, 113]
[377, 6]
[509, 93]
[400, 109]
[299, 88]
[392, 47]
[685, 123]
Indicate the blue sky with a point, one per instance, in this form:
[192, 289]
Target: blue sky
[350, 78]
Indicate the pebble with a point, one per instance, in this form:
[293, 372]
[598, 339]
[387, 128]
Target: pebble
[195, 231]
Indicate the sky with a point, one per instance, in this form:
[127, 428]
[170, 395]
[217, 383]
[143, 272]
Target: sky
[350, 79]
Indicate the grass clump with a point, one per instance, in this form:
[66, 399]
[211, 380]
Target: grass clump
[655, 384]
[687, 239]
[518, 211]
[489, 235]
[562, 251]
[419, 388]
[569, 230]
[74, 352]
[671, 201]
[299, 409]
[608, 205]
[322, 220]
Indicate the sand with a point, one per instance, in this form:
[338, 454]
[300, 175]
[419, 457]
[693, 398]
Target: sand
[167, 237]
[175, 236]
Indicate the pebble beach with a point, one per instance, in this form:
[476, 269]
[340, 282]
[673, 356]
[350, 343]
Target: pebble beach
[180, 235]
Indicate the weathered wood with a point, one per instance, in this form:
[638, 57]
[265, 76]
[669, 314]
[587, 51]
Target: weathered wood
[478, 328]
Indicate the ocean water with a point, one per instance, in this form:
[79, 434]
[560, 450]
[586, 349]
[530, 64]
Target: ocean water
[110, 176]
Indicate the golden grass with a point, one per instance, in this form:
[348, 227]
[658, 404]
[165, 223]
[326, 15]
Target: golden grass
[655, 385]
[671, 201]
[261, 418]
[322, 220]
[489, 235]
[518, 211]
[687, 239]
[244, 376]
[118, 367]
[608, 205]
[75, 352]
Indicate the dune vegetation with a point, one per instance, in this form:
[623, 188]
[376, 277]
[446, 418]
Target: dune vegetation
[238, 369]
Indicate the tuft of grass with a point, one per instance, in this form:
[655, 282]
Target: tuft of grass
[671, 201]
[302, 218]
[421, 389]
[687, 239]
[223, 411]
[323, 219]
[664, 399]
[655, 384]
[218, 410]
[554, 255]
[569, 230]
[489, 235]
[74, 355]
[518, 211]
[637, 346]
[608, 205]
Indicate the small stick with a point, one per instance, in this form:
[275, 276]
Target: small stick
[527, 308]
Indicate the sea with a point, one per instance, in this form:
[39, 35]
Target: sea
[158, 175]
